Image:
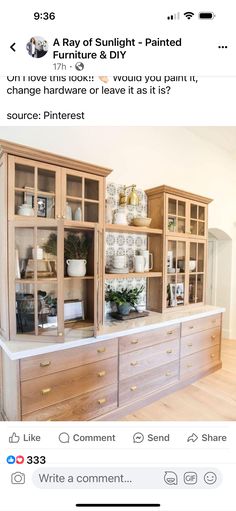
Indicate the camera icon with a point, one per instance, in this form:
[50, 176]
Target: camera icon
[18, 478]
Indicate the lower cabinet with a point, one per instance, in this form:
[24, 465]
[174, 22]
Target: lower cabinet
[106, 378]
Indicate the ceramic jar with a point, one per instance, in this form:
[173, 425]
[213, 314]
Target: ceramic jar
[76, 267]
[78, 214]
[25, 210]
[68, 212]
[120, 216]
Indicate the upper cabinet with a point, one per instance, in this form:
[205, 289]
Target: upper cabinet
[52, 263]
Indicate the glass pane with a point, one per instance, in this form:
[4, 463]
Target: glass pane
[24, 176]
[172, 206]
[193, 226]
[171, 223]
[170, 295]
[24, 203]
[201, 213]
[90, 212]
[201, 257]
[79, 307]
[24, 244]
[193, 212]
[47, 309]
[79, 253]
[181, 208]
[74, 210]
[171, 257]
[193, 258]
[192, 288]
[201, 228]
[45, 253]
[74, 186]
[25, 320]
[181, 256]
[200, 286]
[91, 189]
[181, 225]
[180, 290]
[46, 181]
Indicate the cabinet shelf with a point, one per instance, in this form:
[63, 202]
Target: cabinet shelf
[133, 275]
[132, 229]
[86, 277]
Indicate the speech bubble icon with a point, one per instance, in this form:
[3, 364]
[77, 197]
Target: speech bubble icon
[138, 438]
[171, 478]
[64, 438]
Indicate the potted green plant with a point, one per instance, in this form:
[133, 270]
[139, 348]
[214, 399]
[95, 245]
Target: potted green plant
[124, 299]
[75, 252]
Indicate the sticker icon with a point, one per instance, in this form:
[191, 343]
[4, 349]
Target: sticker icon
[170, 478]
[11, 460]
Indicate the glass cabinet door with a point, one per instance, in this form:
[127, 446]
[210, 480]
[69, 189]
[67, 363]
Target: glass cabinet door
[82, 196]
[176, 272]
[35, 189]
[197, 219]
[177, 215]
[35, 271]
[197, 272]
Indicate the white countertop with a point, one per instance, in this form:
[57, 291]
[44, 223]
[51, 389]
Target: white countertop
[19, 349]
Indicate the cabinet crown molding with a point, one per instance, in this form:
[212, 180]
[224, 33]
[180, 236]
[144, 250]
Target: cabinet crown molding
[176, 191]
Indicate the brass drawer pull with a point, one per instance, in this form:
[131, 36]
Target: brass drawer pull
[60, 334]
[191, 327]
[170, 332]
[213, 321]
[101, 373]
[212, 355]
[168, 373]
[134, 341]
[189, 365]
[213, 337]
[46, 391]
[189, 344]
[134, 363]
[102, 401]
[45, 364]
[169, 351]
[133, 388]
[101, 350]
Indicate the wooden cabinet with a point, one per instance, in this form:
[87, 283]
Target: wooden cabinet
[183, 217]
[51, 200]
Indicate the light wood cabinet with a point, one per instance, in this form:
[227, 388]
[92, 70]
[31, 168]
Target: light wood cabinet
[50, 198]
[183, 216]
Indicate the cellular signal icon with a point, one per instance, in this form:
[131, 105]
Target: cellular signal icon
[189, 15]
[175, 16]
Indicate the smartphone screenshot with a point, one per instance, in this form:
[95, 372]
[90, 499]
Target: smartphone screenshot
[118, 243]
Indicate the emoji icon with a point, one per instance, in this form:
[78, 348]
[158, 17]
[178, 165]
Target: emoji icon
[210, 478]
[104, 79]
[11, 459]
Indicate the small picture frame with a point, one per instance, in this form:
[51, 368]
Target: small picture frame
[41, 206]
[179, 295]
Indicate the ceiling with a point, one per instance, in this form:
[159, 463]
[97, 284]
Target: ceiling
[222, 136]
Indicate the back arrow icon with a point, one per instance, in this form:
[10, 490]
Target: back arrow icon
[12, 47]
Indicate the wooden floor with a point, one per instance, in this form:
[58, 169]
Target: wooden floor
[211, 398]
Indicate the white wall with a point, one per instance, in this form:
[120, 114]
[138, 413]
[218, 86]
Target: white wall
[151, 156]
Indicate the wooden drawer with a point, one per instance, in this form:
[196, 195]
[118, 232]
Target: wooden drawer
[48, 363]
[151, 381]
[202, 340]
[85, 407]
[199, 361]
[51, 389]
[197, 325]
[140, 361]
[150, 338]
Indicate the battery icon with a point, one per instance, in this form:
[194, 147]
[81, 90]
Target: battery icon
[206, 15]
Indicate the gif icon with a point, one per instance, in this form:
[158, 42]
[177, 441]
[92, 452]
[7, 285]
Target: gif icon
[190, 478]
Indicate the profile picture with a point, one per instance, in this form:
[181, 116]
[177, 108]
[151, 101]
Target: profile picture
[37, 47]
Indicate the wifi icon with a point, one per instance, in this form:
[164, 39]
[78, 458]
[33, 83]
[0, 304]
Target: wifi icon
[189, 15]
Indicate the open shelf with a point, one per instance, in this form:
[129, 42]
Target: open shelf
[86, 277]
[132, 275]
[132, 229]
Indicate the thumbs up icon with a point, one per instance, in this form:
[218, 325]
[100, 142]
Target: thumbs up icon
[14, 438]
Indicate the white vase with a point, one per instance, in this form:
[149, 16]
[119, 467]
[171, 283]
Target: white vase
[78, 214]
[76, 267]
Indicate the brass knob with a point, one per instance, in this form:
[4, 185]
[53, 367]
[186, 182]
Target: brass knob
[133, 388]
[134, 363]
[101, 350]
[102, 401]
[134, 341]
[213, 337]
[58, 216]
[168, 373]
[189, 344]
[169, 351]
[212, 355]
[45, 364]
[189, 365]
[64, 216]
[191, 327]
[170, 332]
[60, 334]
[101, 373]
[46, 391]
